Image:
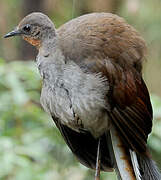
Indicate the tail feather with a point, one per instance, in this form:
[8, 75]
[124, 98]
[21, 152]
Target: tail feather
[139, 167]
[148, 168]
[135, 164]
[121, 161]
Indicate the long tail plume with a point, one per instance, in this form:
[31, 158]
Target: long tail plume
[128, 164]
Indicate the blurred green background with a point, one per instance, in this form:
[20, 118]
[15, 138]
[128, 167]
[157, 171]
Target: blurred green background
[31, 148]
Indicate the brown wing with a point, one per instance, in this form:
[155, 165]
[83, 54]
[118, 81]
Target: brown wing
[131, 108]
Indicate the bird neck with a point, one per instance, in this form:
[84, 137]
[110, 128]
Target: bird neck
[48, 46]
[51, 51]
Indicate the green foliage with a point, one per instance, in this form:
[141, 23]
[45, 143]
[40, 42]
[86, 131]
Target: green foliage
[155, 138]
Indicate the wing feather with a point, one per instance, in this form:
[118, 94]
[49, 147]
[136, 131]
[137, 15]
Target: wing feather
[84, 146]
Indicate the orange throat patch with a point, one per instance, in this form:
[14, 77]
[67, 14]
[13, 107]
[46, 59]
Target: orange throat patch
[34, 42]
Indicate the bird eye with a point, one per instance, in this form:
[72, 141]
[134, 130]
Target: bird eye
[27, 28]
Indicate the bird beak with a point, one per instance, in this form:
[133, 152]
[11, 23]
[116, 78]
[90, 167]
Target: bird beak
[15, 32]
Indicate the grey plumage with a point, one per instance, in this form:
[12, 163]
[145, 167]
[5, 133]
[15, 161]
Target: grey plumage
[149, 169]
[68, 92]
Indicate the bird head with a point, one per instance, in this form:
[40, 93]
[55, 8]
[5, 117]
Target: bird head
[34, 28]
